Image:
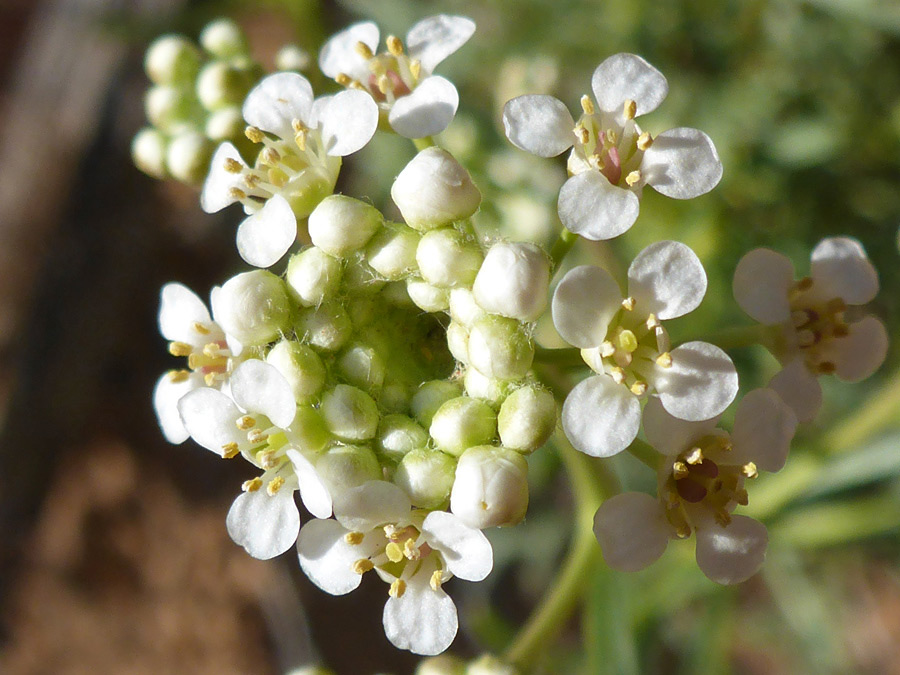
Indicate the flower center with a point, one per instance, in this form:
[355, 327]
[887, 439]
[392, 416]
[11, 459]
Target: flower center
[816, 324]
[393, 73]
[210, 360]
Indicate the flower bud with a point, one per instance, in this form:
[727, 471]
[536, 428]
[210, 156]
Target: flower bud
[427, 297]
[398, 435]
[313, 276]
[326, 327]
[292, 57]
[187, 157]
[172, 59]
[445, 258]
[426, 476]
[226, 124]
[527, 418]
[340, 225]
[461, 423]
[168, 108]
[221, 85]
[360, 279]
[498, 347]
[253, 307]
[394, 396]
[445, 664]
[434, 190]
[308, 431]
[487, 664]
[300, 366]
[458, 341]
[431, 396]
[362, 366]
[350, 413]
[148, 152]
[463, 307]
[346, 466]
[224, 38]
[396, 294]
[491, 487]
[392, 252]
[489, 389]
[513, 281]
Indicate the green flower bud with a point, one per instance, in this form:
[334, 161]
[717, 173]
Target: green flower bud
[346, 466]
[362, 366]
[426, 476]
[427, 297]
[463, 307]
[226, 124]
[340, 225]
[489, 389]
[187, 157]
[313, 276]
[221, 85]
[360, 279]
[253, 307]
[487, 664]
[223, 38]
[397, 435]
[325, 327]
[148, 152]
[300, 366]
[491, 487]
[308, 431]
[168, 108]
[458, 341]
[350, 413]
[527, 419]
[445, 664]
[462, 423]
[514, 281]
[431, 396]
[394, 397]
[500, 348]
[446, 258]
[392, 252]
[172, 59]
[292, 57]
[395, 293]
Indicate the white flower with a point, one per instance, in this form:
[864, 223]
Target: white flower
[814, 338]
[415, 102]
[612, 158]
[256, 423]
[513, 281]
[412, 550]
[701, 482]
[185, 322]
[623, 341]
[303, 140]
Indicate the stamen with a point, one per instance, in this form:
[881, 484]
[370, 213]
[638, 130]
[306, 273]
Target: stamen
[274, 486]
[680, 470]
[384, 84]
[178, 375]
[437, 577]
[749, 470]
[639, 388]
[664, 360]
[415, 69]
[254, 134]
[628, 341]
[630, 109]
[394, 45]
[723, 518]
[628, 304]
[257, 436]
[201, 328]
[695, 456]
[410, 550]
[211, 349]
[398, 588]
[394, 552]
[741, 497]
[343, 79]
[633, 178]
[237, 193]
[835, 305]
[271, 156]
[230, 450]
[354, 538]
[587, 105]
[653, 322]
[232, 165]
[267, 458]
[607, 349]
[617, 374]
[252, 485]
[245, 422]
[180, 349]
[582, 134]
[210, 379]
[644, 141]
[363, 50]
[362, 566]
[612, 137]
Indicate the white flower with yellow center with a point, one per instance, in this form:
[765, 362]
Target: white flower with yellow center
[701, 482]
[414, 102]
[612, 159]
[256, 422]
[412, 550]
[303, 140]
[625, 343]
[185, 322]
[814, 337]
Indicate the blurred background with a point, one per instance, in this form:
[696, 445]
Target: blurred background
[113, 551]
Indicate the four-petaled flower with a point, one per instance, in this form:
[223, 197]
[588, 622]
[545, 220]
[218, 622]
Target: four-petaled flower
[411, 549]
[624, 342]
[813, 336]
[612, 159]
[415, 102]
[701, 482]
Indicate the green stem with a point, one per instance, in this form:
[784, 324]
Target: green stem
[568, 589]
[558, 357]
[565, 242]
[645, 453]
[424, 142]
[881, 409]
[739, 336]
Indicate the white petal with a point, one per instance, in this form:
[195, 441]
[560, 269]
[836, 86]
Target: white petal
[862, 352]
[339, 54]
[700, 383]
[670, 435]
[348, 121]
[682, 163]
[216, 194]
[327, 558]
[209, 417]
[421, 620]
[800, 389]
[179, 310]
[732, 554]
[371, 504]
[434, 39]
[584, 303]
[667, 279]
[265, 526]
[278, 100]
[764, 426]
[626, 76]
[596, 209]
[632, 531]
[762, 280]
[428, 110]
[601, 418]
[466, 551]
[166, 395]
[541, 125]
[258, 387]
[313, 491]
[841, 266]
[264, 237]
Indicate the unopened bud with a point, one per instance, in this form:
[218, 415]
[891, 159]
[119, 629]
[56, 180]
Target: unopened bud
[527, 419]
[445, 258]
[326, 327]
[498, 347]
[313, 276]
[308, 431]
[300, 366]
[360, 279]
[340, 225]
[362, 366]
[350, 413]
[253, 307]
[187, 157]
[431, 396]
[458, 341]
[292, 57]
[398, 435]
[172, 59]
[224, 38]
[427, 297]
[392, 252]
[488, 389]
[487, 664]
[221, 85]
[491, 487]
[463, 307]
[345, 466]
[445, 664]
[513, 281]
[426, 476]
[148, 152]
[169, 109]
[462, 423]
[226, 124]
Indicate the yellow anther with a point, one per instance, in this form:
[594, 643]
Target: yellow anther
[180, 349]
[230, 450]
[211, 349]
[415, 69]
[627, 341]
[274, 486]
[628, 304]
[354, 538]
[587, 105]
[749, 470]
[803, 285]
[252, 485]
[410, 550]
[582, 134]
[363, 50]
[644, 141]
[398, 588]
[652, 322]
[237, 193]
[271, 156]
[695, 456]
[232, 165]
[723, 518]
[362, 566]
[210, 379]
[629, 109]
[725, 444]
[385, 84]
[268, 459]
[300, 140]
[664, 360]
[343, 79]
[680, 470]
[254, 134]
[257, 436]
[394, 552]
[437, 578]
[201, 328]
[826, 367]
[612, 137]
[639, 388]
[800, 317]
[394, 45]
[683, 531]
[633, 178]
[617, 374]
[178, 375]
[741, 497]
[607, 349]
[251, 180]
[245, 422]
